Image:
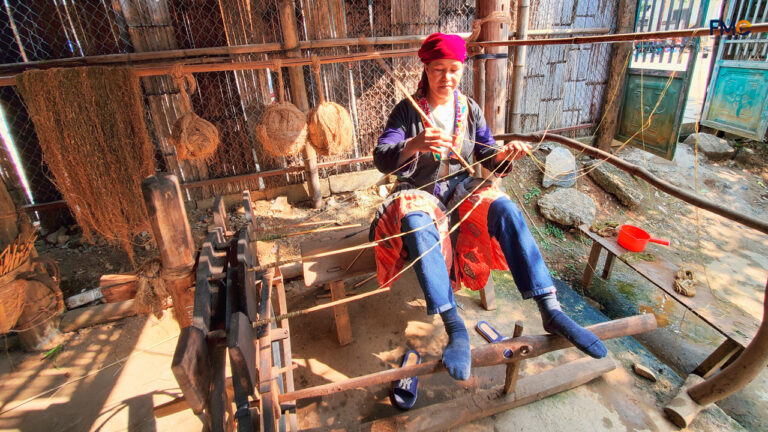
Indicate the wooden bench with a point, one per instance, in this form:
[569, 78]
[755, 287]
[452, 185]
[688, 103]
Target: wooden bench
[333, 270]
[737, 326]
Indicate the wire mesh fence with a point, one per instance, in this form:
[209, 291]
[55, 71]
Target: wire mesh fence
[563, 84]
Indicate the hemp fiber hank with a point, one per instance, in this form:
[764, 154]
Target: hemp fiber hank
[90, 123]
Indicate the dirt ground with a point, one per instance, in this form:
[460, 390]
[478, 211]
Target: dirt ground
[102, 390]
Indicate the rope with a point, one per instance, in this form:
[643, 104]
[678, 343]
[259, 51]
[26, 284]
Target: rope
[495, 16]
[185, 82]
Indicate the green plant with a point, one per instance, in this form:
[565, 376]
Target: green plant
[554, 231]
[571, 267]
[532, 193]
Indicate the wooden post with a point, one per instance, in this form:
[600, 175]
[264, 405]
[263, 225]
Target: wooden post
[488, 295]
[299, 93]
[170, 228]
[616, 76]
[589, 270]
[341, 314]
[518, 71]
[513, 368]
[495, 69]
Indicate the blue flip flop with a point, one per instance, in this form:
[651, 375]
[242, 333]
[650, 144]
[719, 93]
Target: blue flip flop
[488, 332]
[405, 390]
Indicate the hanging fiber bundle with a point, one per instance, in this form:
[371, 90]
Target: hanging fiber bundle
[330, 129]
[330, 125]
[193, 136]
[283, 127]
[90, 124]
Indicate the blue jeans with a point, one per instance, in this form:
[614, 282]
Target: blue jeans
[507, 224]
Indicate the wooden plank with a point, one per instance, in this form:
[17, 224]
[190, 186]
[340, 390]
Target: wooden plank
[488, 295]
[502, 352]
[210, 261]
[192, 368]
[242, 356]
[448, 415]
[330, 268]
[285, 345]
[341, 314]
[718, 358]
[219, 404]
[94, 315]
[730, 321]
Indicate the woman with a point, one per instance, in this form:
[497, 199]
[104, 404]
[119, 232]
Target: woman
[492, 233]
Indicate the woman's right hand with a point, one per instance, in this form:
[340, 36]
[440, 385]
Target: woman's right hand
[430, 140]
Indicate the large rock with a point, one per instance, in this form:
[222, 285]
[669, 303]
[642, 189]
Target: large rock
[560, 169]
[616, 182]
[713, 147]
[568, 207]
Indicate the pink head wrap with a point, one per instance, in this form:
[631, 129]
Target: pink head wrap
[443, 46]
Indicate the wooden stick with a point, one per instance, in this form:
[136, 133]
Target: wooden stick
[354, 260]
[359, 284]
[644, 174]
[487, 355]
[317, 230]
[319, 307]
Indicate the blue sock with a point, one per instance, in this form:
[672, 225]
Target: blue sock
[556, 322]
[456, 356]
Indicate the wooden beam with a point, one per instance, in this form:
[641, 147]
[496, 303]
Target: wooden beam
[638, 171]
[448, 415]
[616, 77]
[487, 355]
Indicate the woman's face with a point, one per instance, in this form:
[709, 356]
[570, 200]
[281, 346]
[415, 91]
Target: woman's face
[444, 76]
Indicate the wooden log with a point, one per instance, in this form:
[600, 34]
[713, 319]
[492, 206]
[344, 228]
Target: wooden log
[682, 409]
[616, 77]
[738, 374]
[170, 228]
[638, 171]
[589, 269]
[487, 355]
[118, 287]
[448, 415]
[495, 69]
[94, 315]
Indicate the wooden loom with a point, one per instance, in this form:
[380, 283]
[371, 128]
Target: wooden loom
[233, 300]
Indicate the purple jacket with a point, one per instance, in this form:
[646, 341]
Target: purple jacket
[405, 122]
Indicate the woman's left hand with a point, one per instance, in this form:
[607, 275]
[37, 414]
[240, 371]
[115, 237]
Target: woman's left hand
[513, 151]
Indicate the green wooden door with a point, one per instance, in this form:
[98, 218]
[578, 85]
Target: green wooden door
[658, 77]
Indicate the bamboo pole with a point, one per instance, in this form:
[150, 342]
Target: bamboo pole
[662, 185]
[518, 70]
[165, 69]
[234, 50]
[506, 351]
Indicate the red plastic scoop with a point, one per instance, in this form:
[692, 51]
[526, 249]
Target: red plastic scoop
[635, 239]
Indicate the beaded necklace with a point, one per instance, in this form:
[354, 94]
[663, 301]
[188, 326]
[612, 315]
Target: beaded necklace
[459, 122]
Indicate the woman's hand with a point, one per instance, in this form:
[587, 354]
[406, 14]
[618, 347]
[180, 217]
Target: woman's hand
[430, 140]
[513, 151]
